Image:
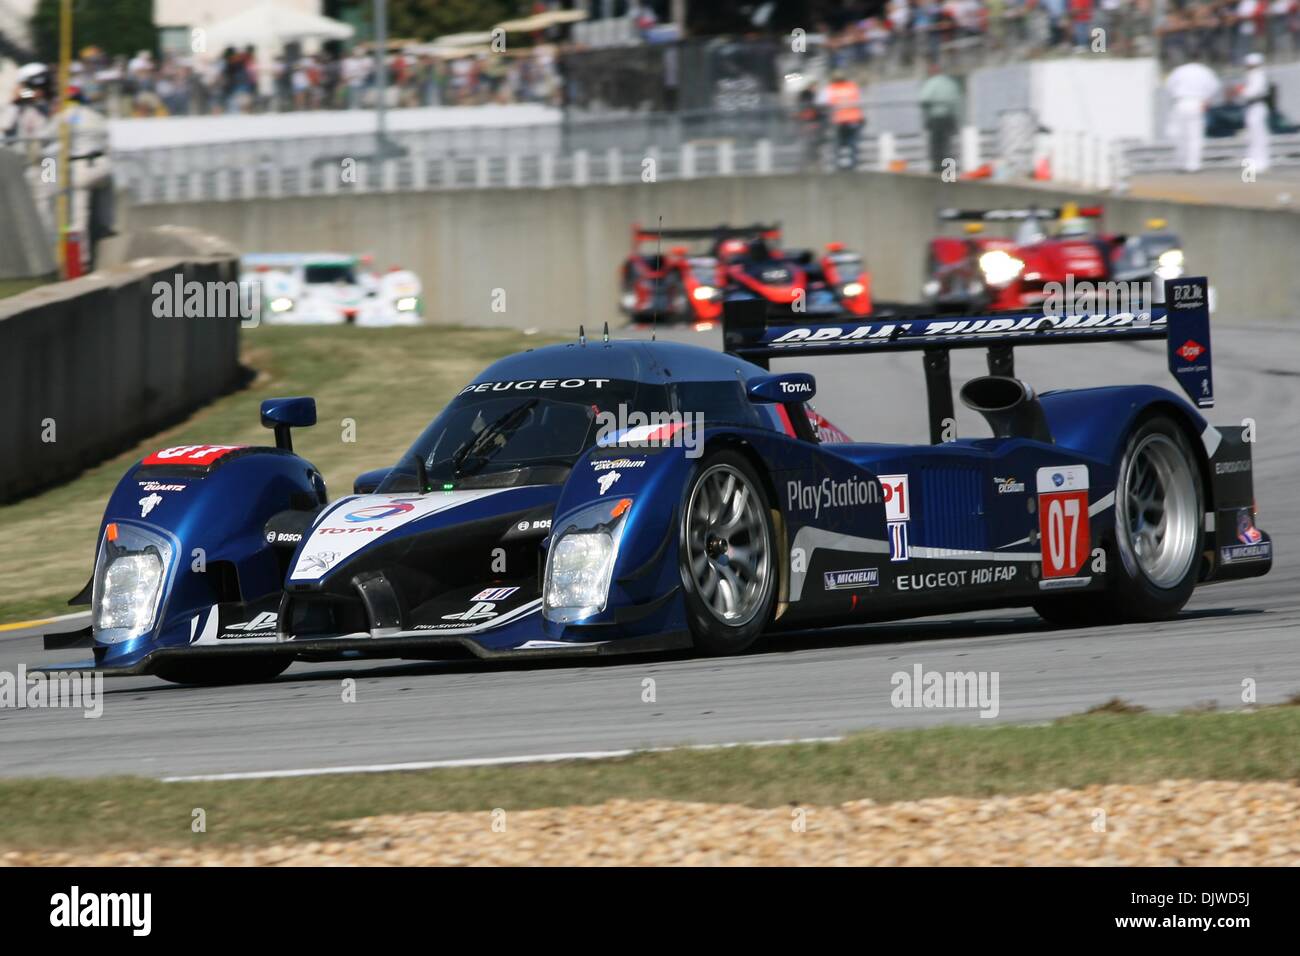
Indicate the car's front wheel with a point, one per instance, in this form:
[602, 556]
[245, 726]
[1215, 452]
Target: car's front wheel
[728, 567]
[1159, 514]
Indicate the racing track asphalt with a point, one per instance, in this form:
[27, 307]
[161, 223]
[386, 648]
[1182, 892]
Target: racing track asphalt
[806, 685]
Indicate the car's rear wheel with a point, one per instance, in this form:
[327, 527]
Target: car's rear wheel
[209, 672]
[728, 566]
[1159, 514]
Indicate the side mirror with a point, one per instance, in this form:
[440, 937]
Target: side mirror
[282, 414]
[783, 387]
[368, 481]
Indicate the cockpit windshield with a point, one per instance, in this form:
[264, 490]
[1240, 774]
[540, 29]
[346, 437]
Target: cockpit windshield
[496, 434]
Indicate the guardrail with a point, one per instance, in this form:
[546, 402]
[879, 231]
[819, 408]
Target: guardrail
[1095, 162]
[1217, 153]
[537, 170]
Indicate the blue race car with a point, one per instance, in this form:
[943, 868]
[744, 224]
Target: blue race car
[610, 497]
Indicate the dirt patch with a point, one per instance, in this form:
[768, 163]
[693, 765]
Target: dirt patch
[1172, 823]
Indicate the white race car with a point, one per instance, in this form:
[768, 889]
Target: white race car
[331, 288]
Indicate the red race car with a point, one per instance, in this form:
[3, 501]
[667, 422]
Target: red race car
[1053, 251]
[736, 262]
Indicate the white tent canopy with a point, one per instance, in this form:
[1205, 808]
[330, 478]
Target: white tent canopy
[270, 25]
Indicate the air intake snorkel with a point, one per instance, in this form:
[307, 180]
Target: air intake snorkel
[1009, 406]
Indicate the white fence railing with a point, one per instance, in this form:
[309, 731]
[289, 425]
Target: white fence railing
[1074, 159]
[528, 170]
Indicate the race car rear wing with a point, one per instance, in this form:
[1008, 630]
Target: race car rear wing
[756, 231]
[748, 331]
[1068, 211]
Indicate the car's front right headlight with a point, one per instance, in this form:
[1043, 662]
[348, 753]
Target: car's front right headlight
[128, 584]
[578, 571]
[281, 304]
[1169, 264]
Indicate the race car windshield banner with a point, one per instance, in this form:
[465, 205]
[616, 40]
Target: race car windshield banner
[1188, 329]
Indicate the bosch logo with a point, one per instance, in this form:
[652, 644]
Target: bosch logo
[379, 512]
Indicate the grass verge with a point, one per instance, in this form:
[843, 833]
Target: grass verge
[375, 391]
[10, 287]
[131, 812]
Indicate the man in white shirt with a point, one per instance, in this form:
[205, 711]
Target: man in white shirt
[1254, 94]
[1191, 87]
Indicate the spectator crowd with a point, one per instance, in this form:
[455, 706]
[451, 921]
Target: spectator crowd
[911, 34]
[1221, 31]
[238, 82]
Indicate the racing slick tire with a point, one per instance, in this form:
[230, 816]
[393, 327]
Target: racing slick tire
[1159, 515]
[210, 673]
[728, 564]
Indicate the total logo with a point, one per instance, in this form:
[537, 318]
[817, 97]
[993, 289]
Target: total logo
[1190, 350]
[379, 512]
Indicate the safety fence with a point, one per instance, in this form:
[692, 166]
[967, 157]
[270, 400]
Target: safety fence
[538, 170]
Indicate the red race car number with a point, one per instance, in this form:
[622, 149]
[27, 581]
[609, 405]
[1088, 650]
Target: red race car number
[1063, 519]
[189, 454]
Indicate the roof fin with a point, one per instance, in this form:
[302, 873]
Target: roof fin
[582, 335]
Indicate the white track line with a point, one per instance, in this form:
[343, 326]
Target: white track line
[485, 761]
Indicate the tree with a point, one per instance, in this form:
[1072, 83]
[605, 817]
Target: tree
[115, 26]
[426, 19]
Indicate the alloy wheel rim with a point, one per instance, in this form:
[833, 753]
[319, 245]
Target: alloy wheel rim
[727, 544]
[1159, 510]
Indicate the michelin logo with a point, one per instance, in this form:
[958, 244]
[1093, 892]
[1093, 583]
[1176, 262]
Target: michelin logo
[846, 580]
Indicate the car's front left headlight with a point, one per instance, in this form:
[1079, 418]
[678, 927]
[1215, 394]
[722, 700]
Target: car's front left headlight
[128, 583]
[407, 303]
[578, 571]
[999, 267]
[853, 289]
[281, 304]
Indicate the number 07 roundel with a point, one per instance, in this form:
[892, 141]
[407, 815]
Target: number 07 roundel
[1063, 521]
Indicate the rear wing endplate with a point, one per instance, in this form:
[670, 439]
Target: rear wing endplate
[1183, 321]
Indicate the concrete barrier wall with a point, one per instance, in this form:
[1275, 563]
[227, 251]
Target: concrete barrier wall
[556, 252]
[90, 357]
